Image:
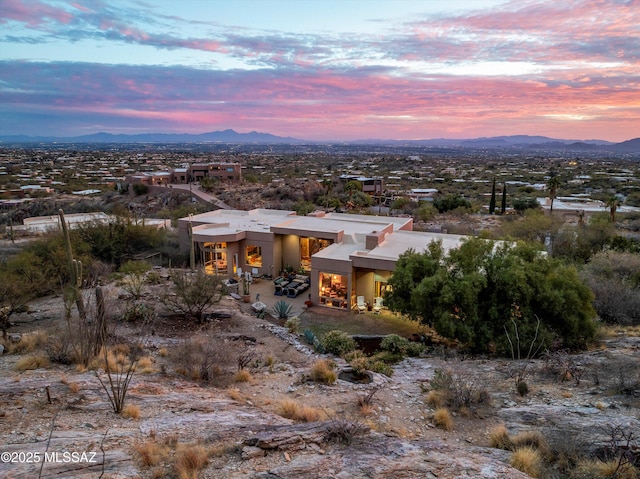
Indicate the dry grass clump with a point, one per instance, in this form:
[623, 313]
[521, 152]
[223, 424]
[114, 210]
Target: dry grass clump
[131, 411]
[145, 365]
[73, 387]
[533, 439]
[499, 438]
[235, 394]
[151, 453]
[243, 376]
[594, 469]
[190, 458]
[163, 352]
[436, 399]
[323, 371]
[298, 412]
[528, 460]
[442, 419]
[29, 342]
[33, 361]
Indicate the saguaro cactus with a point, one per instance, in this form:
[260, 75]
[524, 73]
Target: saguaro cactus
[75, 270]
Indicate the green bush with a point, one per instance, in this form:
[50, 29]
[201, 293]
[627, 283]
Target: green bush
[338, 343]
[140, 189]
[395, 344]
[381, 367]
[138, 311]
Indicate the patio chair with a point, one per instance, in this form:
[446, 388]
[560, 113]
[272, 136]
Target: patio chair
[377, 305]
[361, 305]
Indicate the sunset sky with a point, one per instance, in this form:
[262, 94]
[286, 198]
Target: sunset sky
[322, 69]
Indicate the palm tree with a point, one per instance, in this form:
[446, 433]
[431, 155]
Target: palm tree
[612, 203]
[553, 184]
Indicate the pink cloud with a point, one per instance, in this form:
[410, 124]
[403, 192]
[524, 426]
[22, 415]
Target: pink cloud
[34, 13]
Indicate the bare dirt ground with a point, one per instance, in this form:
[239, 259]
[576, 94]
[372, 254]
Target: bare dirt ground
[179, 413]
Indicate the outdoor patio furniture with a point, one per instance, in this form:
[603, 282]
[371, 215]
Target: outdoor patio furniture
[361, 305]
[377, 305]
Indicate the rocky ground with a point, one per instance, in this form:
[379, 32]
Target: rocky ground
[63, 409]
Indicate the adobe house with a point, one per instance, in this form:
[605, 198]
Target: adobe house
[342, 255]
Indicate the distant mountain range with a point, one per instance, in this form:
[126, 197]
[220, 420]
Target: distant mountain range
[254, 137]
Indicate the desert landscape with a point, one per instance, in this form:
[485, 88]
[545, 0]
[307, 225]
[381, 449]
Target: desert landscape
[192, 410]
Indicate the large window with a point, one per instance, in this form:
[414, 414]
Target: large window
[254, 256]
[333, 290]
[215, 258]
[309, 247]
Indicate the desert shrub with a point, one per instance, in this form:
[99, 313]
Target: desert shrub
[381, 367]
[151, 453]
[139, 311]
[459, 390]
[471, 312]
[451, 202]
[293, 325]
[563, 366]
[527, 460]
[59, 351]
[522, 387]
[34, 361]
[202, 358]
[415, 349]
[298, 412]
[190, 458]
[140, 189]
[131, 411]
[323, 371]
[194, 293]
[442, 419]
[343, 431]
[395, 344]
[338, 343]
[365, 401]
[359, 364]
[615, 280]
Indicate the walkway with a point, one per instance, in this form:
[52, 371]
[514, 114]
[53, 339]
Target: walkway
[194, 189]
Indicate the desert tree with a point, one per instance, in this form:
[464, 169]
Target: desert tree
[193, 293]
[466, 295]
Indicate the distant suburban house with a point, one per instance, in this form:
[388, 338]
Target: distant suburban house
[341, 256]
[193, 173]
[370, 185]
[421, 194]
[43, 224]
[578, 208]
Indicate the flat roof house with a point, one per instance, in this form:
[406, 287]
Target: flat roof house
[341, 256]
